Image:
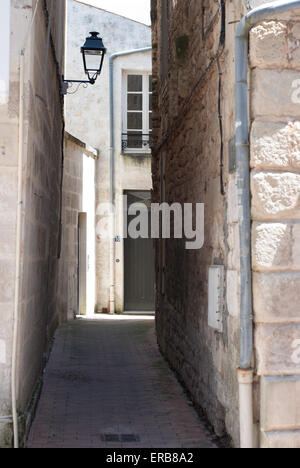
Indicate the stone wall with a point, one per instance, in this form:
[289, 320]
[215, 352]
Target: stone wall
[41, 197]
[8, 179]
[71, 207]
[75, 201]
[275, 163]
[193, 162]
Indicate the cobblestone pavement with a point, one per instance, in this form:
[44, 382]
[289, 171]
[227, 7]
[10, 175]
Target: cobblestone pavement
[107, 386]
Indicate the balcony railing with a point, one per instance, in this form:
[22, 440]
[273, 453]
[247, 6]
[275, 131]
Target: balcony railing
[136, 142]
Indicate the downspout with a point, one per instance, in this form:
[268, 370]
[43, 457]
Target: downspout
[112, 170]
[246, 372]
[14, 369]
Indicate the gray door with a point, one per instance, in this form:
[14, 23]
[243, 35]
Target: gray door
[139, 264]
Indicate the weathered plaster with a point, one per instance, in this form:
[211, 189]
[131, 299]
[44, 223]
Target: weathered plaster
[88, 119]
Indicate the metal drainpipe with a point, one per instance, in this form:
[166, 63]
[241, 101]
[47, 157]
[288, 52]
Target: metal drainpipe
[246, 373]
[112, 169]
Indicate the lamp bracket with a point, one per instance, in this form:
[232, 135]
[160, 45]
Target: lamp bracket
[66, 84]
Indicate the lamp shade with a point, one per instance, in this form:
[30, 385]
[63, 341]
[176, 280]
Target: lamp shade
[93, 53]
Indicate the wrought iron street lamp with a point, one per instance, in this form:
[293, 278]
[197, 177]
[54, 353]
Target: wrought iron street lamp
[93, 53]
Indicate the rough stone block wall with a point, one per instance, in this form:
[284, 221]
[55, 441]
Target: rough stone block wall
[41, 200]
[71, 207]
[193, 115]
[275, 163]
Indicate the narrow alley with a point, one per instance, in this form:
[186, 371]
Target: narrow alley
[107, 386]
[150, 225]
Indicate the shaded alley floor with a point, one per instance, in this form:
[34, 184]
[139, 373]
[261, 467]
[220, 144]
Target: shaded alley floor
[107, 386]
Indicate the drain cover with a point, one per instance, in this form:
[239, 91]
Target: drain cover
[110, 438]
[129, 438]
[122, 438]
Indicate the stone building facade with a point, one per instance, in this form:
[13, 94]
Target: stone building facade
[48, 190]
[31, 136]
[76, 276]
[275, 152]
[194, 160]
[89, 114]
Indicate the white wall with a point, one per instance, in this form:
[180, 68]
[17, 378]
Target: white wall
[88, 116]
[88, 206]
[131, 172]
[5, 48]
[255, 3]
[88, 109]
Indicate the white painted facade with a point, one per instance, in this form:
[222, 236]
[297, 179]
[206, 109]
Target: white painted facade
[88, 112]
[88, 201]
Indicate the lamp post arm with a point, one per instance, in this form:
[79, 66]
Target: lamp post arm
[65, 84]
[80, 81]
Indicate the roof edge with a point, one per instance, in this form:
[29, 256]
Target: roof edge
[88, 150]
[112, 13]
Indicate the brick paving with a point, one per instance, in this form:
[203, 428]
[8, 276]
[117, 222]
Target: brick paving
[107, 382]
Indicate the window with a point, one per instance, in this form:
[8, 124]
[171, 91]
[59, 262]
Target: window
[137, 125]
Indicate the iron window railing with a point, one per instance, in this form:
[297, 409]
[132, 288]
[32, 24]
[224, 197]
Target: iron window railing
[136, 141]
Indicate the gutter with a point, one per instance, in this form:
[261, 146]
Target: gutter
[112, 169]
[246, 372]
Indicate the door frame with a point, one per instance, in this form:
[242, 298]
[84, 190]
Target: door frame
[125, 311]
